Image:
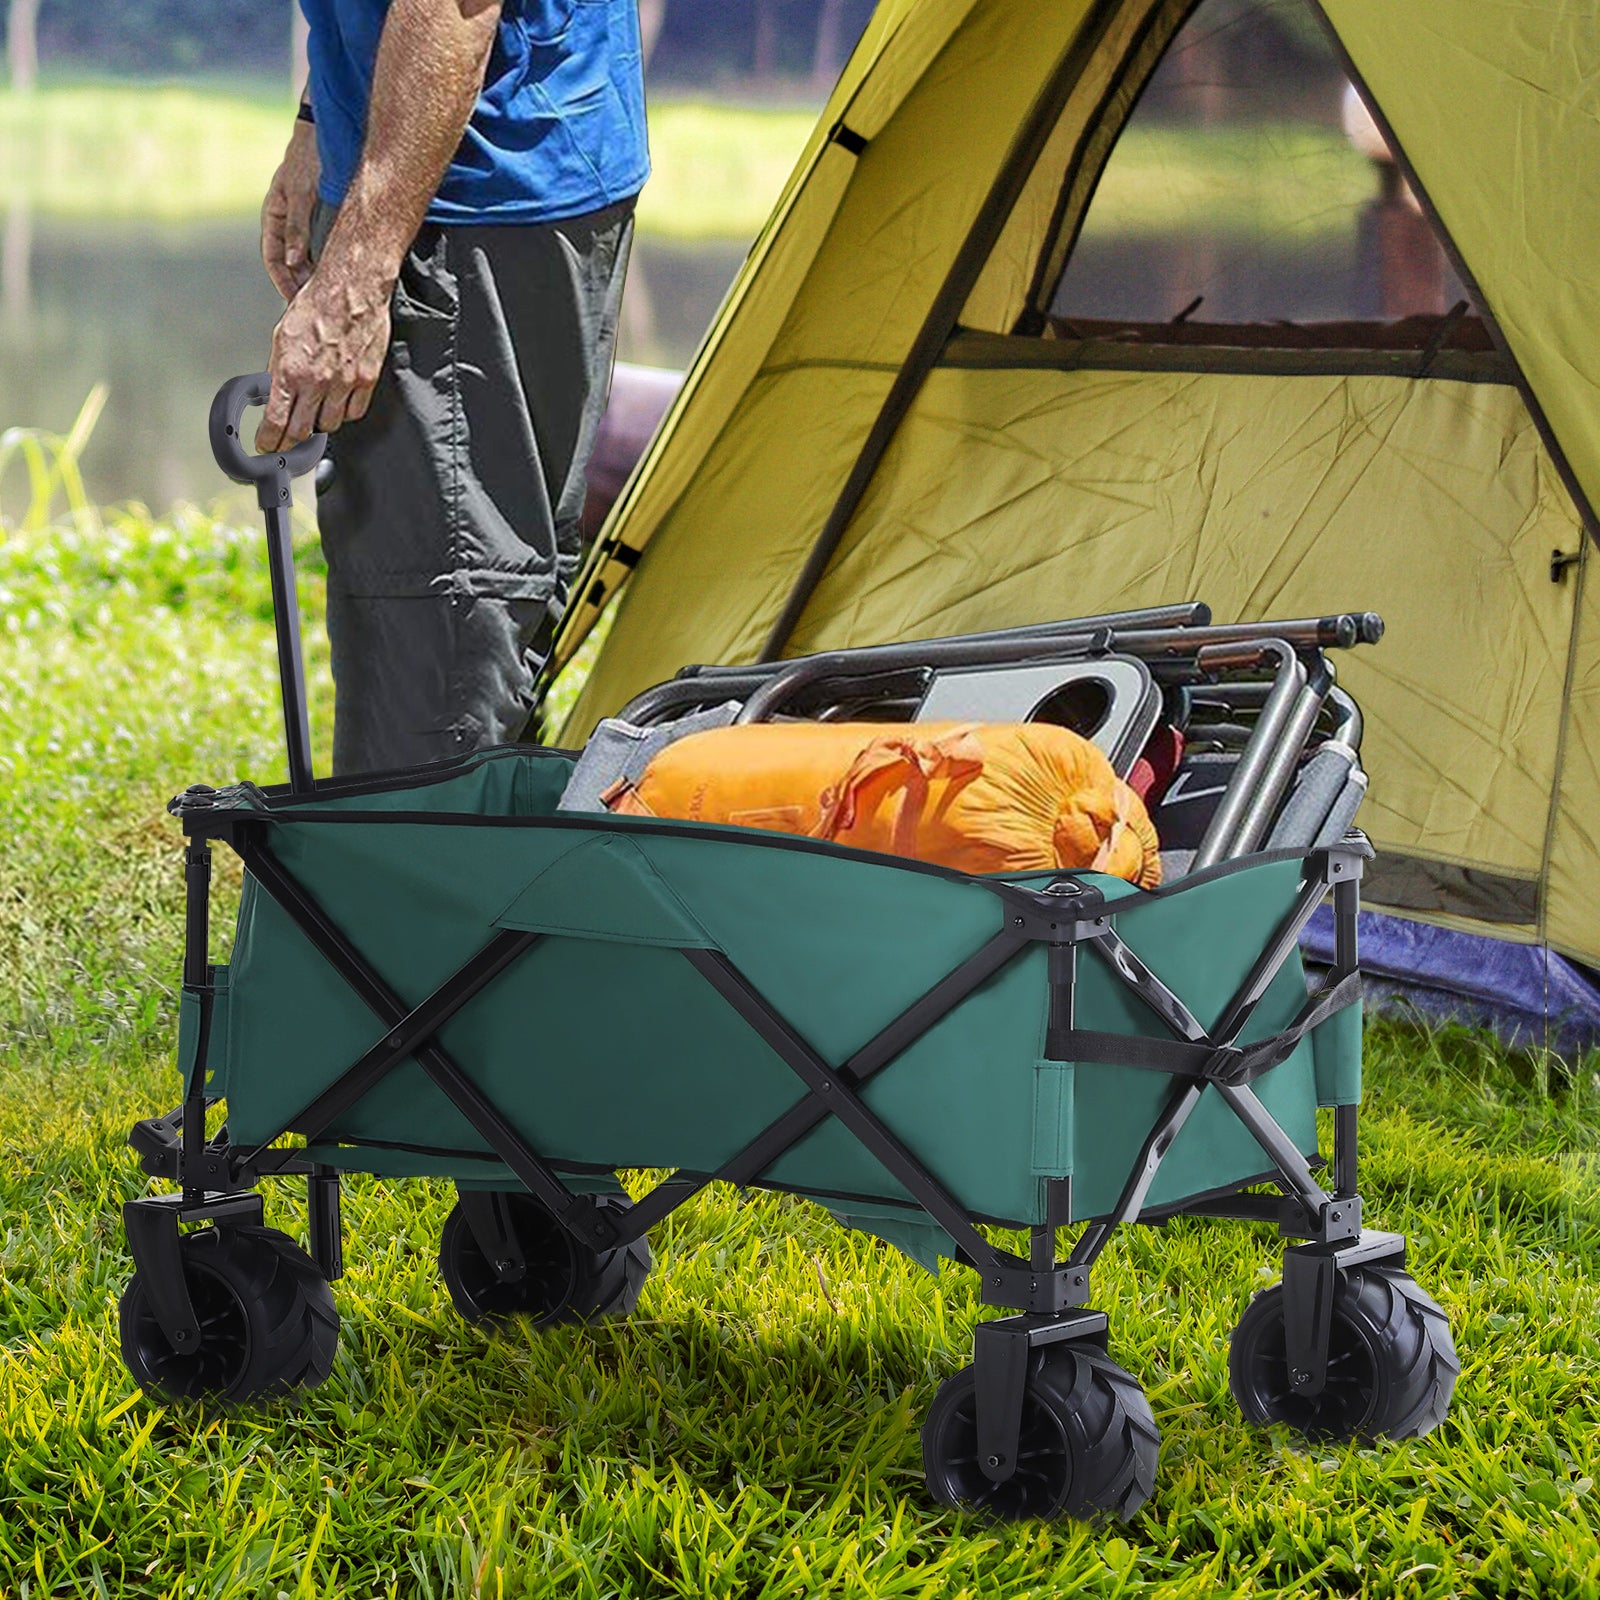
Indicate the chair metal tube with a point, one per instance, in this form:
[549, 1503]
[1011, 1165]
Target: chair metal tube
[1217, 845]
[1281, 764]
[1351, 726]
[684, 694]
[962, 652]
[1340, 632]
[1192, 615]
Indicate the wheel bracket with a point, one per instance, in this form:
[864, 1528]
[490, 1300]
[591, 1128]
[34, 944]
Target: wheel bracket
[323, 1221]
[152, 1225]
[488, 1214]
[1310, 1282]
[1002, 1353]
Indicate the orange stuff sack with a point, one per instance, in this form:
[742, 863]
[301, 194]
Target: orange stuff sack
[981, 797]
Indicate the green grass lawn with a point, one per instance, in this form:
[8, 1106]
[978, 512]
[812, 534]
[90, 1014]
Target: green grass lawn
[752, 1432]
[178, 153]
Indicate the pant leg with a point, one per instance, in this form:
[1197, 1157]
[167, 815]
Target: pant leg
[451, 525]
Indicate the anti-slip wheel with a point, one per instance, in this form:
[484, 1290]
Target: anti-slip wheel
[1392, 1364]
[268, 1324]
[1087, 1449]
[563, 1281]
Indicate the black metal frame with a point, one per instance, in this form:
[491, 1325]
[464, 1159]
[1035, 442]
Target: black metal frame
[215, 1176]
[215, 1179]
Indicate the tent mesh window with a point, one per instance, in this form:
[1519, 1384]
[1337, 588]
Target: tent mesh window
[1252, 202]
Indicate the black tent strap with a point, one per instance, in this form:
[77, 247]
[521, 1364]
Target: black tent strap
[1229, 1064]
[847, 138]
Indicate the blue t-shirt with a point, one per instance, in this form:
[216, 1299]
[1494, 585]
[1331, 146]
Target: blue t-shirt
[558, 129]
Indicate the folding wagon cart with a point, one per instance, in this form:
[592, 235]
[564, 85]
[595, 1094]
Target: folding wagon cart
[436, 972]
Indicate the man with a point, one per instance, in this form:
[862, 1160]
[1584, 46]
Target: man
[450, 228]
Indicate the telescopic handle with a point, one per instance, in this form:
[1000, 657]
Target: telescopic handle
[271, 474]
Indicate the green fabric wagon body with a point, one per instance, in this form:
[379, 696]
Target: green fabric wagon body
[605, 1048]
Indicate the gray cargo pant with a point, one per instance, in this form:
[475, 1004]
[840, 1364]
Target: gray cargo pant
[451, 526]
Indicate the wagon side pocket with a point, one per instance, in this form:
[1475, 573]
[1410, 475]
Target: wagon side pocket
[1052, 1119]
[207, 1054]
[1336, 1052]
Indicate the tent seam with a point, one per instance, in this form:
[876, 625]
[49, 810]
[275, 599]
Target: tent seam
[943, 312]
[1563, 724]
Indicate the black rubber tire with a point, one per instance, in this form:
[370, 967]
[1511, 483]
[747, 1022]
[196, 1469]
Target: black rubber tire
[1392, 1364]
[1088, 1447]
[268, 1324]
[565, 1281]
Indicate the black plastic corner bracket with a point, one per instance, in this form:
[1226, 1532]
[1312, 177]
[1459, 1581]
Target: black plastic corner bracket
[1003, 1351]
[1066, 912]
[1013, 1282]
[152, 1224]
[1310, 1281]
[162, 1154]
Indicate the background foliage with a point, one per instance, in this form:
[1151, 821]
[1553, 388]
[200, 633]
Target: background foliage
[700, 39]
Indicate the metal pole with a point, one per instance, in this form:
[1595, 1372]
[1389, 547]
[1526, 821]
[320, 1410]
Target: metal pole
[1290, 679]
[196, 980]
[291, 667]
[1280, 769]
[1346, 959]
[272, 475]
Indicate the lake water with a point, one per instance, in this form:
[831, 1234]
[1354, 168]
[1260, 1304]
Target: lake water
[163, 314]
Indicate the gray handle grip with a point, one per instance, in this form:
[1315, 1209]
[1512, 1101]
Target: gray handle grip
[269, 473]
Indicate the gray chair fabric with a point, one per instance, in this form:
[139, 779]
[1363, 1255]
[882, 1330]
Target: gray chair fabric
[618, 749]
[1322, 803]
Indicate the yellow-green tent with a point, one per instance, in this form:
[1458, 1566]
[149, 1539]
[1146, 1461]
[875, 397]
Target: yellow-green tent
[883, 437]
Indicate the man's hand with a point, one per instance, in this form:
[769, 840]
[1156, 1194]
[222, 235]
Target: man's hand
[330, 344]
[286, 214]
[327, 352]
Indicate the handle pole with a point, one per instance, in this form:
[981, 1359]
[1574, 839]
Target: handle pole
[272, 475]
[291, 663]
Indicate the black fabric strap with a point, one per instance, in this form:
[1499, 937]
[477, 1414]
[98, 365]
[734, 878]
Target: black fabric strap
[1173, 1056]
[1230, 1064]
[1254, 1059]
[847, 138]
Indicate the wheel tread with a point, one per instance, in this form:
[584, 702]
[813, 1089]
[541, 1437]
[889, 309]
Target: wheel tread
[1112, 1438]
[292, 1323]
[1398, 1321]
[604, 1284]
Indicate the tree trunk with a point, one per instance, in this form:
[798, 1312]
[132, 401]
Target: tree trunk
[652, 13]
[766, 61]
[22, 44]
[827, 60]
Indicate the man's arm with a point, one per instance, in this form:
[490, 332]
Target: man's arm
[330, 344]
[286, 212]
